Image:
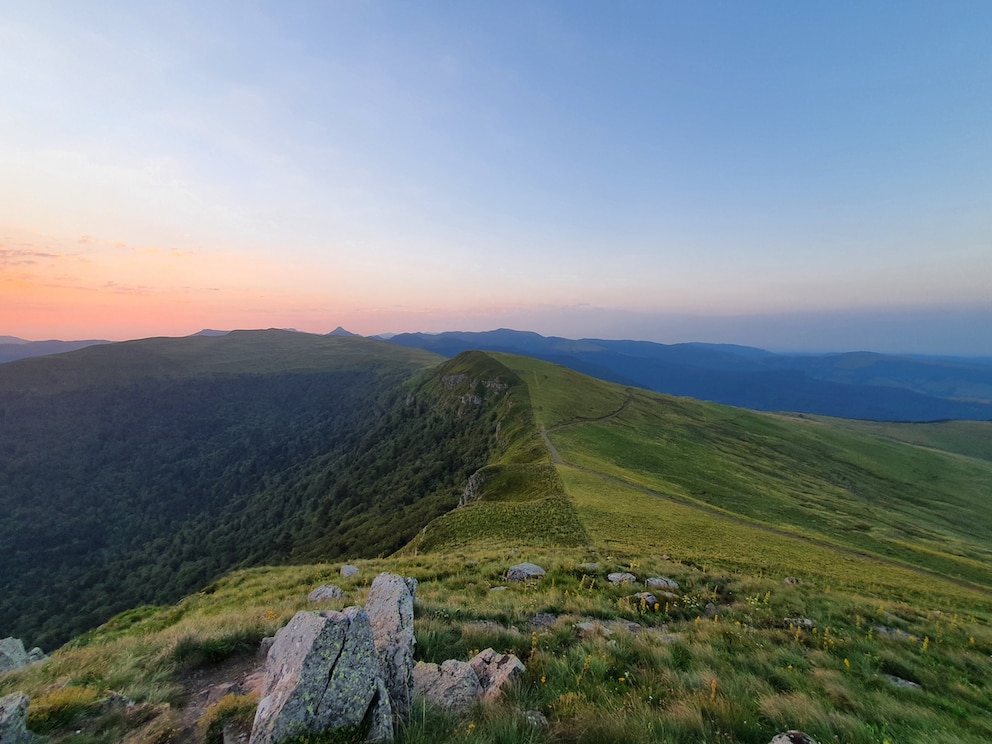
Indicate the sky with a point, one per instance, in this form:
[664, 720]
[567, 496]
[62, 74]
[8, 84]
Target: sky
[795, 176]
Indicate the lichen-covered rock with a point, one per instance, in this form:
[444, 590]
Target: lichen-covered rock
[323, 673]
[453, 685]
[495, 671]
[662, 583]
[644, 601]
[13, 655]
[390, 610]
[325, 593]
[621, 578]
[13, 717]
[524, 572]
[349, 571]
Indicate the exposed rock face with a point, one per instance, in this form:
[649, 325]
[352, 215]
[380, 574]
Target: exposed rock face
[13, 715]
[323, 673]
[452, 686]
[621, 578]
[324, 593]
[793, 737]
[472, 488]
[524, 572]
[495, 671]
[390, 610]
[663, 583]
[13, 655]
[349, 571]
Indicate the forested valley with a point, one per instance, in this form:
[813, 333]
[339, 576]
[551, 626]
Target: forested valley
[144, 490]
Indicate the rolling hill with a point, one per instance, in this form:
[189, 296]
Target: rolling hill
[831, 575]
[858, 385]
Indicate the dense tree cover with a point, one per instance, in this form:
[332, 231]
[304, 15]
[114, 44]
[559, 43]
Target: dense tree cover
[111, 498]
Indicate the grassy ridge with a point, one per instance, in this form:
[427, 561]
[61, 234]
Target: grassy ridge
[817, 479]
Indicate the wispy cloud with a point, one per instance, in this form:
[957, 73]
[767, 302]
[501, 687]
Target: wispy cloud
[24, 257]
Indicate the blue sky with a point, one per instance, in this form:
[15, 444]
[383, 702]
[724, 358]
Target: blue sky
[788, 175]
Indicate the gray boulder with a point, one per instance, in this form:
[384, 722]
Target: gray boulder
[325, 593]
[390, 610]
[13, 717]
[13, 656]
[524, 572]
[621, 578]
[662, 583]
[452, 686]
[349, 571]
[322, 673]
[588, 567]
[495, 671]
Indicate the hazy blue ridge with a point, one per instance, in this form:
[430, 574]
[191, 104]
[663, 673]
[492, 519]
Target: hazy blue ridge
[859, 385]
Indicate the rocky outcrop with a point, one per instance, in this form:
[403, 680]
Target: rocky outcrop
[495, 671]
[390, 610]
[325, 593]
[453, 685]
[13, 717]
[323, 673]
[13, 656]
[472, 488]
[524, 572]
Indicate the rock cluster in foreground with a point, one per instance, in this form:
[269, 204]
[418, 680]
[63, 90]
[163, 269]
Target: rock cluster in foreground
[353, 671]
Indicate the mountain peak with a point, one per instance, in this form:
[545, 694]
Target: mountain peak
[339, 331]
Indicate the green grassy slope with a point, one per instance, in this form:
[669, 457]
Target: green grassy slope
[725, 502]
[819, 481]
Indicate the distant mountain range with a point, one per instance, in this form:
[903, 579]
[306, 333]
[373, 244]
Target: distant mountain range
[858, 385]
[12, 348]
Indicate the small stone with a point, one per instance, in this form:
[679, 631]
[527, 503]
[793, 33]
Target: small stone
[621, 578]
[663, 583]
[793, 737]
[588, 567]
[801, 622]
[349, 571]
[542, 621]
[887, 632]
[711, 610]
[524, 572]
[325, 593]
[535, 718]
[900, 682]
[498, 589]
[791, 581]
[645, 600]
